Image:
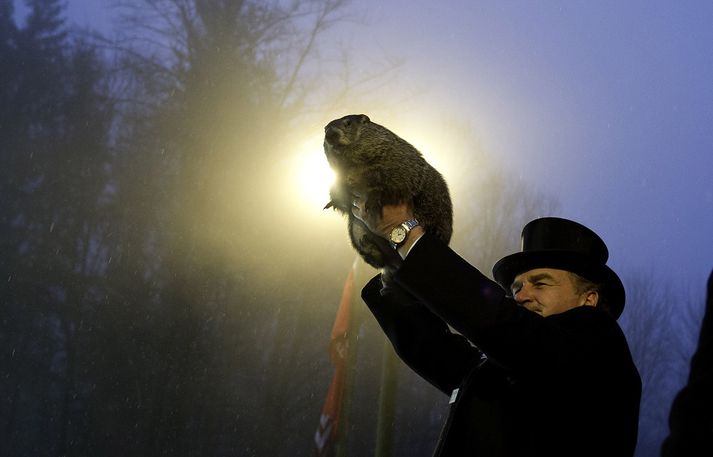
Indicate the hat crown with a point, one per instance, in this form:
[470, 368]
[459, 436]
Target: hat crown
[556, 234]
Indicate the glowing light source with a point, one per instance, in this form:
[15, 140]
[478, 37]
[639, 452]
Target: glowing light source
[314, 177]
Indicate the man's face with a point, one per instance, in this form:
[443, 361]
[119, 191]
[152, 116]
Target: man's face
[548, 291]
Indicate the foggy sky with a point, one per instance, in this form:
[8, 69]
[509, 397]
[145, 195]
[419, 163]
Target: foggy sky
[607, 105]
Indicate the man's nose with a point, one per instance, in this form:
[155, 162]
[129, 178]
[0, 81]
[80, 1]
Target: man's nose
[522, 295]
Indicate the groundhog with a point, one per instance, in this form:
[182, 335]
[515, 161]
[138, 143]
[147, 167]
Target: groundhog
[369, 157]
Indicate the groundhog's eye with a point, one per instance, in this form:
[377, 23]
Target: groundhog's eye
[347, 123]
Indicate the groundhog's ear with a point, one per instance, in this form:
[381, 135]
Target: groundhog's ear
[363, 118]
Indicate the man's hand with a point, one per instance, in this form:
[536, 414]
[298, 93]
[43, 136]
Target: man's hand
[382, 224]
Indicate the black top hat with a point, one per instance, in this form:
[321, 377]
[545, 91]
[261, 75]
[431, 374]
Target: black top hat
[551, 242]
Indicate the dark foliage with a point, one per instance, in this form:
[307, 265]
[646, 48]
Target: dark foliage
[144, 312]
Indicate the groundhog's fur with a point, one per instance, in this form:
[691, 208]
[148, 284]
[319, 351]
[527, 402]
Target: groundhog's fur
[369, 157]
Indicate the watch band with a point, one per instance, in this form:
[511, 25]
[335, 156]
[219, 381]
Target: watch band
[409, 224]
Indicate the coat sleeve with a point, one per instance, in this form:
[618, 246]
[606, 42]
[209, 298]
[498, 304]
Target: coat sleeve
[479, 309]
[421, 339]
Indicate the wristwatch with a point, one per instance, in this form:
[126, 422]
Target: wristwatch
[399, 233]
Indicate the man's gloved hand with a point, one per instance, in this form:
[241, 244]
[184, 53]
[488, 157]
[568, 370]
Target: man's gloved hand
[390, 217]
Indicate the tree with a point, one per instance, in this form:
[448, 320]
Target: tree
[53, 138]
[209, 100]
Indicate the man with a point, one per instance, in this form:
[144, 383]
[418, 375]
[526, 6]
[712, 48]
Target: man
[691, 417]
[538, 366]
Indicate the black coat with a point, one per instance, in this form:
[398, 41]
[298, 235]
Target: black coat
[560, 385]
[691, 417]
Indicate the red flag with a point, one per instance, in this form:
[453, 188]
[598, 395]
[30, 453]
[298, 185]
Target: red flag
[326, 434]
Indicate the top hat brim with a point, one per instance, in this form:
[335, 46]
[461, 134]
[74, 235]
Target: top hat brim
[505, 270]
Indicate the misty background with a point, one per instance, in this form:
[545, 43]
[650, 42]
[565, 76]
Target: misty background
[168, 277]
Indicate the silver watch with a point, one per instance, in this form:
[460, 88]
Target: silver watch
[399, 233]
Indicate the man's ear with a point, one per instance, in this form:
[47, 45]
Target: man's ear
[591, 298]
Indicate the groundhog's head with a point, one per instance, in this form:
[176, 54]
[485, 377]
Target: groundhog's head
[343, 132]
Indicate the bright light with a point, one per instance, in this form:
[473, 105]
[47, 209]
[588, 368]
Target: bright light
[306, 179]
[314, 177]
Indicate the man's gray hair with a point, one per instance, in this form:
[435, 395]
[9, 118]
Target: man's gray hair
[584, 285]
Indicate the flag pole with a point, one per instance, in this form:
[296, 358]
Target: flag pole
[387, 402]
[341, 444]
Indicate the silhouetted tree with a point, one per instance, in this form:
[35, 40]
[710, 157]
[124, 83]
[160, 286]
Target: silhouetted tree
[210, 105]
[53, 136]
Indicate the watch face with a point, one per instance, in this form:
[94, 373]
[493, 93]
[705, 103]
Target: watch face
[398, 235]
